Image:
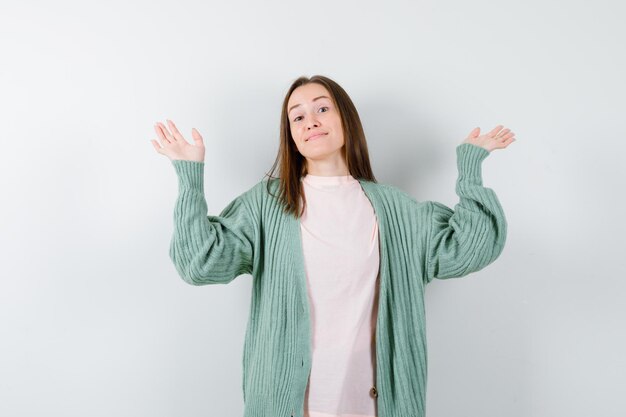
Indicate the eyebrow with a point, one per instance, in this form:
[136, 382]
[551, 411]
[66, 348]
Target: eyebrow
[316, 98]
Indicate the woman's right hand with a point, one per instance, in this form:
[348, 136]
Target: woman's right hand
[174, 146]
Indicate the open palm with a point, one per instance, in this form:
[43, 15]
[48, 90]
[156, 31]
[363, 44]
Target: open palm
[174, 146]
[496, 139]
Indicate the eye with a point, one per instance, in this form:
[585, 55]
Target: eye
[323, 107]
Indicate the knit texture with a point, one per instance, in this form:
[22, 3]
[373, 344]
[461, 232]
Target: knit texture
[418, 241]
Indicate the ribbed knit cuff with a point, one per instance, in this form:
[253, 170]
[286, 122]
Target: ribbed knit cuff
[190, 174]
[469, 158]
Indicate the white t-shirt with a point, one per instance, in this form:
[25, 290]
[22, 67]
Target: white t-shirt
[341, 253]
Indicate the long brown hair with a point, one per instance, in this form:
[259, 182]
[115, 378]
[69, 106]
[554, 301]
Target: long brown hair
[292, 165]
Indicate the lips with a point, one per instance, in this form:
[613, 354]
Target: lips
[315, 136]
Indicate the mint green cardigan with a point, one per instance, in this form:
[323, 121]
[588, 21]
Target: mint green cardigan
[418, 241]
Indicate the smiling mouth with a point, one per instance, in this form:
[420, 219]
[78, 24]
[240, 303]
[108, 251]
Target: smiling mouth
[315, 137]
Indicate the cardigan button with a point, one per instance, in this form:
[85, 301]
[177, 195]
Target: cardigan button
[374, 392]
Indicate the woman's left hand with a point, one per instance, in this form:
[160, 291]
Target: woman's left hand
[496, 139]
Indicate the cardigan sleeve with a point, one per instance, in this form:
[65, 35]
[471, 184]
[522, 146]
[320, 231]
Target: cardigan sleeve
[207, 249]
[471, 236]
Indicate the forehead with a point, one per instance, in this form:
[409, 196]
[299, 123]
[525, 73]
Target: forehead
[306, 93]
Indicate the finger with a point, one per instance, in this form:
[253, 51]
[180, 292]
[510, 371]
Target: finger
[506, 143]
[166, 132]
[474, 133]
[495, 130]
[160, 133]
[503, 134]
[175, 131]
[196, 136]
[156, 145]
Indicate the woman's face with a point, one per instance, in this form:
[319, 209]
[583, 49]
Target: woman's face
[312, 111]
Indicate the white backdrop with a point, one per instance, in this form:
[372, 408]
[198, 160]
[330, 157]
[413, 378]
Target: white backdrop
[94, 319]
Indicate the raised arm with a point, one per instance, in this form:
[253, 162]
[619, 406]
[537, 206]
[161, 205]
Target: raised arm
[208, 249]
[471, 236]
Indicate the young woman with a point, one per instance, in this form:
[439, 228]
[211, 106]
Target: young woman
[339, 262]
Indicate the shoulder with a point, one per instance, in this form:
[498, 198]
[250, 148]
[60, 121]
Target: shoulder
[262, 190]
[393, 195]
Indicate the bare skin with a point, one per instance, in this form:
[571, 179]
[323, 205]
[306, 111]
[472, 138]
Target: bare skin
[496, 139]
[174, 146]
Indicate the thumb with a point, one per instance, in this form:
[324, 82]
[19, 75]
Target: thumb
[196, 136]
[475, 133]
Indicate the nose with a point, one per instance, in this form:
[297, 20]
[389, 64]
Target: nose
[312, 122]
